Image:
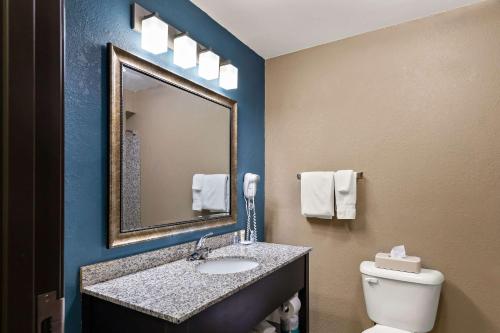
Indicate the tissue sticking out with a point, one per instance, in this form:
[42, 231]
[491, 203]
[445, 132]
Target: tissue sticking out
[398, 252]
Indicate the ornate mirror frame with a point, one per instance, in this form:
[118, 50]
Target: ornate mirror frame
[117, 237]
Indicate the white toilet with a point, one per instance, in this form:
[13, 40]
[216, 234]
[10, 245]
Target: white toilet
[400, 302]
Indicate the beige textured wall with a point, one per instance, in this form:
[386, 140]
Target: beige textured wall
[181, 134]
[417, 108]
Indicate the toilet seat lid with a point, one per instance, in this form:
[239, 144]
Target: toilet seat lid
[384, 329]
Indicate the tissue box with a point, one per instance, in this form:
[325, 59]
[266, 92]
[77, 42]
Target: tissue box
[406, 264]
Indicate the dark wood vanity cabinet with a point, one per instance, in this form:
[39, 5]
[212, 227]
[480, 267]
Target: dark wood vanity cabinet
[238, 313]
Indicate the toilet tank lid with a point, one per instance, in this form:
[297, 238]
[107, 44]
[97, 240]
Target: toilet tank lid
[426, 276]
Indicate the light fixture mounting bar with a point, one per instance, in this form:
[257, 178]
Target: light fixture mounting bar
[138, 13]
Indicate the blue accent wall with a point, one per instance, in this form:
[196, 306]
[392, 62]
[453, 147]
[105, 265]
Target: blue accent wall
[90, 24]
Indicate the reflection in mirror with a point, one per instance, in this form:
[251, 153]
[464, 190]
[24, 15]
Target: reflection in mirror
[175, 154]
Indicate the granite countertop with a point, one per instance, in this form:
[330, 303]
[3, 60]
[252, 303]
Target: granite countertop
[176, 291]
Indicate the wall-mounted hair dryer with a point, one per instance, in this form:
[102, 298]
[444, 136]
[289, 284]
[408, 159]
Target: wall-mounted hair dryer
[250, 190]
[250, 185]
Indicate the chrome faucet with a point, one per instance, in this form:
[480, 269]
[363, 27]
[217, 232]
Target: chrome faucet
[201, 252]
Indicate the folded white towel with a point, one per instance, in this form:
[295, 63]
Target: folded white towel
[215, 192]
[316, 194]
[198, 181]
[345, 194]
[343, 180]
[196, 189]
[264, 327]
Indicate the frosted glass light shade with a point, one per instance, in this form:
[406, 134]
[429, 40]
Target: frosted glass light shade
[228, 77]
[185, 52]
[208, 65]
[154, 35]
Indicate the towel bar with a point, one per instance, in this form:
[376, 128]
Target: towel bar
[359, 175]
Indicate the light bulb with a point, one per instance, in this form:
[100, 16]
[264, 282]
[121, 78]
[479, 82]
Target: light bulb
[154, 35]
[208, 65]
[185, 52]
[228, 77]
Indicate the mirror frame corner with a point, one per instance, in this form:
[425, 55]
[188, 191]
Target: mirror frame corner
[116, 237]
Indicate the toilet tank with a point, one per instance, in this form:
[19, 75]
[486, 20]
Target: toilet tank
[402, 300]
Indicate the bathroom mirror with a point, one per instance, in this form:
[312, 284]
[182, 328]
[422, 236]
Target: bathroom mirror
[172, 153]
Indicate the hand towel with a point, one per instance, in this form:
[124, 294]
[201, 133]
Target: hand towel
[214, 194]
[264, 327]
[196, 189]
[316, 194]
[345, 194]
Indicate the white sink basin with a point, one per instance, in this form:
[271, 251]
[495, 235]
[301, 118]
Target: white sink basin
[227, 265]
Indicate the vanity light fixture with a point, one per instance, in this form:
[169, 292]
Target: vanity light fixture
[154, 37]
[185, 51]
[208, 65]
[228, 77]
[157, 37]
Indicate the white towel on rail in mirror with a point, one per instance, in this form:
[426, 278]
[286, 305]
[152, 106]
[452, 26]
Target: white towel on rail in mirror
[196, 189]
[215, 193]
